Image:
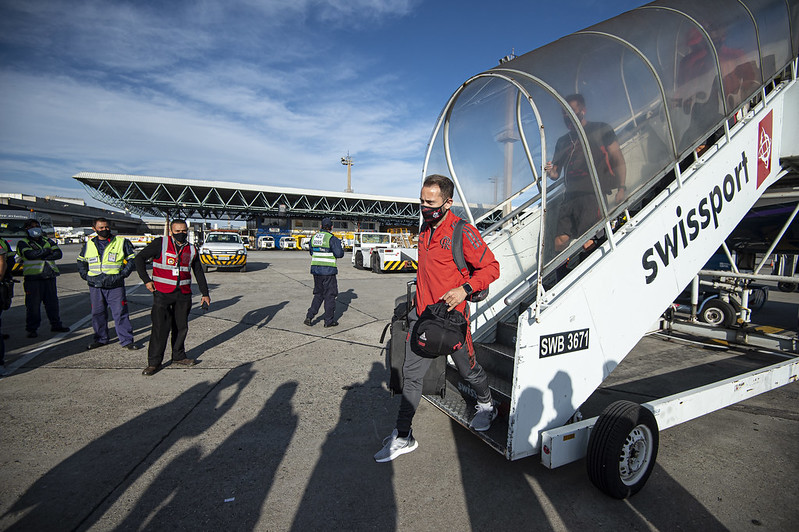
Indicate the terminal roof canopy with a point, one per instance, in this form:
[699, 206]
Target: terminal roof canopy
[186, 198]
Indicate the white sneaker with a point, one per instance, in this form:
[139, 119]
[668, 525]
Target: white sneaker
[486, 413]
[393, 446]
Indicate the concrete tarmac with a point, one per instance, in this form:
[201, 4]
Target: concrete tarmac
[276, 427]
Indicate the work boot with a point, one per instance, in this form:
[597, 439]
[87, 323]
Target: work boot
[308, 322]
[95, 345]
[150, 370]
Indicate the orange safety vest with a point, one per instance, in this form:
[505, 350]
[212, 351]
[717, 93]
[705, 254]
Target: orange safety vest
[170, 271]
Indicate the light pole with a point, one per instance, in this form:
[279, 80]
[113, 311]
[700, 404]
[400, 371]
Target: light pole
[347, 161]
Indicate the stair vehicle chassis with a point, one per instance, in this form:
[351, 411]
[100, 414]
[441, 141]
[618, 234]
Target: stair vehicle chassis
[701, 139]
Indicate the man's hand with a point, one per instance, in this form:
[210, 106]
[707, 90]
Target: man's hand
[206, 300]
[454, 297]
[620, 193]
[551, 170]
[150, 286]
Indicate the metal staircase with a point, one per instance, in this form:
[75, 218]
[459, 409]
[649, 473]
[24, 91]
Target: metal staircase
[557, 322]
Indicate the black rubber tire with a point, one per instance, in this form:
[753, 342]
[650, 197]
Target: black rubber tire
[375, 260]
[622, 449]
[758, 298]
[718, 313]
[243, 268]
[787, 287]
[359, 260]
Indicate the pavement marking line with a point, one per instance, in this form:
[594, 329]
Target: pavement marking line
[30, 355]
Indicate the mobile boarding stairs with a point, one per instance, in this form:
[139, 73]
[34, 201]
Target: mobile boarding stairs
[549, 333]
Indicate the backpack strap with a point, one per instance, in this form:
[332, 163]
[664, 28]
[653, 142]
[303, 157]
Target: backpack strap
[457, 248]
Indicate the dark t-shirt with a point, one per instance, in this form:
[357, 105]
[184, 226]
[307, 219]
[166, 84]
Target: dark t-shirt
[569, 158]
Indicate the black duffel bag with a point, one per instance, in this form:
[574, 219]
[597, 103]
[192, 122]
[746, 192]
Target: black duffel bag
[439, 331]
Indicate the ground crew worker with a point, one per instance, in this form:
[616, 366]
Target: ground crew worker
[5, 252]
[324, 249]
[38, 254]
[439, 279]
[105, 262]
[173, 261]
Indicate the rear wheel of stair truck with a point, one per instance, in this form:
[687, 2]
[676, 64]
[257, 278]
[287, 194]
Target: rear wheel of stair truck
[358, 260]
[622, 449]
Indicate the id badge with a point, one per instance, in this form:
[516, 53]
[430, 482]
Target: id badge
[175, 272]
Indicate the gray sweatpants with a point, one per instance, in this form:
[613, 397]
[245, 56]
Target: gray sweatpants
[414, 371]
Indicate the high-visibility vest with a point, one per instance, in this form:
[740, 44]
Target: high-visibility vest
[35, 267]
[171, 270]
[112, 260]
[9, 257]
[322, 254]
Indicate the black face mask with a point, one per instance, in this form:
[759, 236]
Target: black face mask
[105, 233]
[181, 238]
[432, 215]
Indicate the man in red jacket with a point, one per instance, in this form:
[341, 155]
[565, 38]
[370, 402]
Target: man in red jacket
[439, 279]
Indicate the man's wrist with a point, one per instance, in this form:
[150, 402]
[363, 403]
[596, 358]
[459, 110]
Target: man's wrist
[467, 288]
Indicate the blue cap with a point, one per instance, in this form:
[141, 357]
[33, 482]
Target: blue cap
[327, 223]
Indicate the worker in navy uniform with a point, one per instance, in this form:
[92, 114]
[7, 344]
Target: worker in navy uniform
[174, 260]
[38, 254]
[324, 249]
[105, 262]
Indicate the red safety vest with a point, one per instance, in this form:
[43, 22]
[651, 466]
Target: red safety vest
[170, 271]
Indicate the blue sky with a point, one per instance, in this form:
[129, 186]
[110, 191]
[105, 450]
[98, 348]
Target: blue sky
[269, 92]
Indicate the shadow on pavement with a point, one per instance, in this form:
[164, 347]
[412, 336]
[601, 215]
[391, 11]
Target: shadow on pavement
[501, 494]
[346, 490]
[257, 318]
[343, 302]
[237, 476]
[67, 496]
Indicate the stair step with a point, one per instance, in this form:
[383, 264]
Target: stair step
[459, 403]
[506, 334]
[497, 359]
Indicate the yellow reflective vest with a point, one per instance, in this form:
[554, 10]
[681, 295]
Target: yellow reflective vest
[35, 267]
[111, 262]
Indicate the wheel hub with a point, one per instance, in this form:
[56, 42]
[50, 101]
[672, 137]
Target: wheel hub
[635, 454]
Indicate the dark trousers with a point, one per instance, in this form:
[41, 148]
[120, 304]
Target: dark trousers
[38, 291]
[325, 289]
[115, 300]
[2, 342]
[414, 370]
[170, 313]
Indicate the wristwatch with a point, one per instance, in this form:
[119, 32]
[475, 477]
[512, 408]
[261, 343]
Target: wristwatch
[468, 288]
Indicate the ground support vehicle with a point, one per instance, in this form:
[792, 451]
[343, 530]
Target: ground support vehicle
[287, 242]
[223, 250]
[394, 260]
[364, 243]
[266, 242]
[564, 313]
[719, 297]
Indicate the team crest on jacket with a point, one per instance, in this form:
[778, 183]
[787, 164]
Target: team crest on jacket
[446, 242]
[170, 261]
